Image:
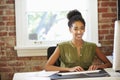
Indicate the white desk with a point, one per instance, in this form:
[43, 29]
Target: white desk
[31, 76]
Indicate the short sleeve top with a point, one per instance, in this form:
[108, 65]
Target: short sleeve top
[69, 55]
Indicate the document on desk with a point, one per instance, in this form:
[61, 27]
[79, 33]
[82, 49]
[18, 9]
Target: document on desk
[45, 73]
[82, 72]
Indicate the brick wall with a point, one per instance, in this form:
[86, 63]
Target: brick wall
[10, 63]
[107, 16]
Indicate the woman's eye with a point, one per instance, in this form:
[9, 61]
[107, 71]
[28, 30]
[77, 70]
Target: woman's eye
[75, 29]
[79, 29]
[82, 28]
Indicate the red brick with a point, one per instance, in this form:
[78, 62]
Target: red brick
[110, 3]
[10, 24]
[103, 32]
[10, 1]
[114, 9]
[6, 69]
[2, 23]
[22, 68]
[102, 10]
[2, 7]
[103, 0]
[3, 33]
[12, 33]
[10, 53]
[105, 26]
[108, 15]
[1, 1]
[23, 58]
[8, 18]
[7, 76]
[39, 58]
[10, 12]
[1, 12]
[104, 4]
[104, 20]
[111, 31]
[16, 63]
[37, 68]
[106, 43]
[4, 58]
[109, 37]
[101, 37]
[3, 64]
[2, 43]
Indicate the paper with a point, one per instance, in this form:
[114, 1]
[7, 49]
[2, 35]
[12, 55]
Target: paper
[82, 72]
[40, 75]
[116, 49]
[45, 73]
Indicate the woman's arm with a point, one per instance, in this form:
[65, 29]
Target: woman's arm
[102, 57]
[53, 58]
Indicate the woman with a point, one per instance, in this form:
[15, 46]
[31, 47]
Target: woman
[76, 54]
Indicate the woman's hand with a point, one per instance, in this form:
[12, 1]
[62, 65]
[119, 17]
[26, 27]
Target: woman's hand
[77, 69]
[93, 67]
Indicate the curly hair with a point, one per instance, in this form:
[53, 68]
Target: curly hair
[74, 15]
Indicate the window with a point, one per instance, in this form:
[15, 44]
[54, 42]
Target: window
[43, 23]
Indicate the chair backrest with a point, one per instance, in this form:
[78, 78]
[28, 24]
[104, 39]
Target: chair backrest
[50, 51]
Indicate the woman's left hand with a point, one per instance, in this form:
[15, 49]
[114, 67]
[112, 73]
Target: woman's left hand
[93, 67]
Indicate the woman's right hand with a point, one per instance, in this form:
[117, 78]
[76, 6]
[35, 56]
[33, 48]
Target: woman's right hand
[77, 69]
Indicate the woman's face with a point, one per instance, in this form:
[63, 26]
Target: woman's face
[77, 30]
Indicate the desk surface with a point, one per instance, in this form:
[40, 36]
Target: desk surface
[31, 76]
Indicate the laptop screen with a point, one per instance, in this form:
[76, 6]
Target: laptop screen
[116, 47]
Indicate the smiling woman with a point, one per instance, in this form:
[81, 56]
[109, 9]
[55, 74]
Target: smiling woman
[40, 24]
[76, 54]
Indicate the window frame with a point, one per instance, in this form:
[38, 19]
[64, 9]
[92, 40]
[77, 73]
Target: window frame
[24, 49]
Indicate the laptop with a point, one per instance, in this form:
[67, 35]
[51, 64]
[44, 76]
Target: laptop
[116, 48]
[100, 73]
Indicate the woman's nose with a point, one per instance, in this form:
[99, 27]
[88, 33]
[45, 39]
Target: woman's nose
[78, 31]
